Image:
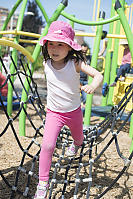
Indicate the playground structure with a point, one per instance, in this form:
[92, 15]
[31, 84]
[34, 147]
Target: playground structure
[74, 175]
[120, 19]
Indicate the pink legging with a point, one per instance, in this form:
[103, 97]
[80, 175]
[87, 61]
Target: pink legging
[54, 122]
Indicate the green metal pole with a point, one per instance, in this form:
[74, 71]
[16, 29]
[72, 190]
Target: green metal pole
[131, 148]
[7, 21]
[42, 10]
[93, 64]
[129, 36]
[131, 133]
[114, 61]
[108, 56]
[114, 65]
[22, 117]
[89, 23]
[126, 27]
[14, 56]
[72, 23]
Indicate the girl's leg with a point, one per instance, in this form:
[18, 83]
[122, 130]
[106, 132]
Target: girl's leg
[126, 69]
[119, 73]
[75, 124]
[53, 126]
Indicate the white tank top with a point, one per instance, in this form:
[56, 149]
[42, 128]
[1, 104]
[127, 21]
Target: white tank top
[63, 87]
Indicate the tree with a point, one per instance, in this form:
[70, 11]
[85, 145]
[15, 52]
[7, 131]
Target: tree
[32, 22]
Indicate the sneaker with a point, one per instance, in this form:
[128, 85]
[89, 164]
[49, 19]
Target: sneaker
[113, 84]
[41, 192]
[72, 150]
[122, 79]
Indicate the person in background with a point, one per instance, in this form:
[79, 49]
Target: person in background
[84, 76]
[63, 61]
[85, 50]
[103, 50]
[125, 65]
[4, 89]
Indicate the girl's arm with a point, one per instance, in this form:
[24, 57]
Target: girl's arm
[92, 72]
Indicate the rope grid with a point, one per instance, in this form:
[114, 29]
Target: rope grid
[80, 166]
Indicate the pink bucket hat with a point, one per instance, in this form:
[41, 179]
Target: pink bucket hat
[62, 32]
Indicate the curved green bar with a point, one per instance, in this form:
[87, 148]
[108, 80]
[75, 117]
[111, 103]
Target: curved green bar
[42, 10]
[89, 23]
[22, 117]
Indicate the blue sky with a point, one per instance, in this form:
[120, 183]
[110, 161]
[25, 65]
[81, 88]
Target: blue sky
[82, 9]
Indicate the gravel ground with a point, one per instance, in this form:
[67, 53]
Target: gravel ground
[104, 171]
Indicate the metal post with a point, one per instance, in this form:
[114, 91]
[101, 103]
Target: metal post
[93, 64]
[108, 57]
[129, 36]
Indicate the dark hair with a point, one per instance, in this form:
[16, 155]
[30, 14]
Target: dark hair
[104, 34]
[73, 54]
[85, 45]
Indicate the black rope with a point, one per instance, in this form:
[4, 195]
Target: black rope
[117, 178]
[91, 141]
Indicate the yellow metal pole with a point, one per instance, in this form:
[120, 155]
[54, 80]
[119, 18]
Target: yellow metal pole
[17, 47]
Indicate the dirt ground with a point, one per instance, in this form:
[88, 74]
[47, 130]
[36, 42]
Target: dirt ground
[104, 171]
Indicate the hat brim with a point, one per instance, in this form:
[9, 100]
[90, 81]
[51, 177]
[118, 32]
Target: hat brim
[123, 41]
[60, 38]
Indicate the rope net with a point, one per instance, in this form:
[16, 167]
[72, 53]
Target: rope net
[68, 176]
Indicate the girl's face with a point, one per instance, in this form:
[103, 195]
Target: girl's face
[58, 50]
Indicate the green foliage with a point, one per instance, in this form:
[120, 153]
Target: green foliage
[3, 51]
[32, 22]
[39, 61]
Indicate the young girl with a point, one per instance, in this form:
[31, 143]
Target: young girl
[63, 62]
[125, 65]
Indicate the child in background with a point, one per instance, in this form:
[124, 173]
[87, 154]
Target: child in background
[4, 89]
[125, 65]
[63, 60]
[84, 76]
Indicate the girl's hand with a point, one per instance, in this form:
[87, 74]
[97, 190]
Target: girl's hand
[89, 89]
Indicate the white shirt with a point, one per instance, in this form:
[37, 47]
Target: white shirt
[63, 87]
